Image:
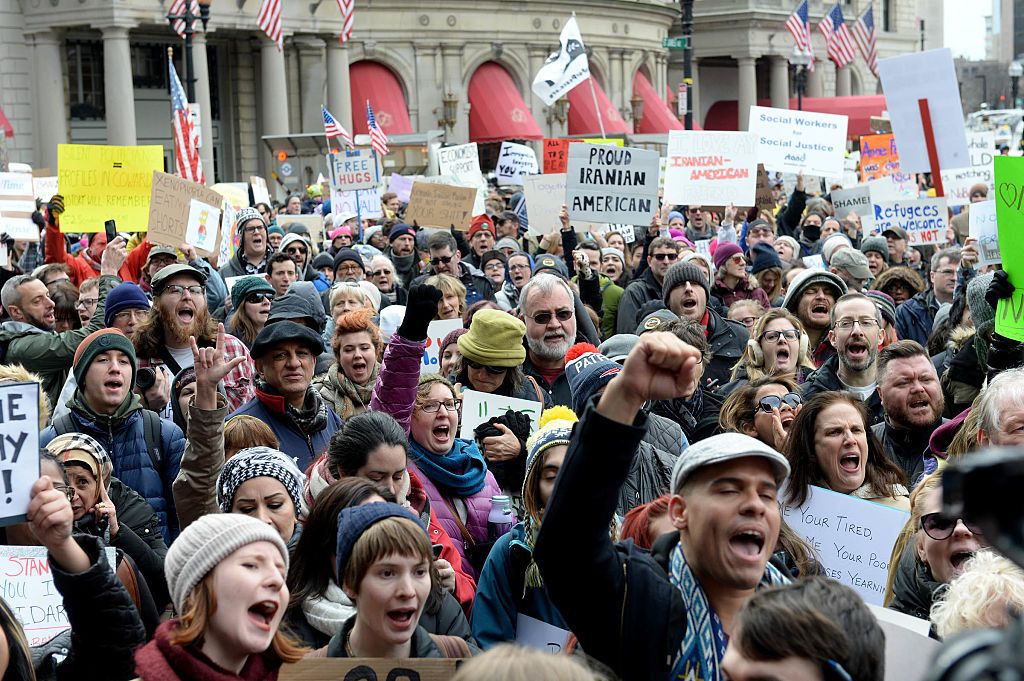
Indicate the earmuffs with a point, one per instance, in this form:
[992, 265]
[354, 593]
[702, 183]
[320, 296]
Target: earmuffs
[755, 349]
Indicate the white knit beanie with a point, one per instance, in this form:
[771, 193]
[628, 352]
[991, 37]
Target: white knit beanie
[206, 542]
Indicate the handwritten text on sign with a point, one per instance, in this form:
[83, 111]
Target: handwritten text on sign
[102, 183]
[478, 407]
[515, 161]
[878, 156]
[711, 168]
[440, 205]
[462, 160]
[19, 448]
[609, 184]
[957, 182]
[436, 332]
[1009, 199]
[353, 170]
[925, 220]
[855, 200]
[799, 140]
[169, 207]
[853, 537]
[982, 226]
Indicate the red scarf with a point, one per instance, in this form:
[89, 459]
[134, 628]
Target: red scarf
[161, 660]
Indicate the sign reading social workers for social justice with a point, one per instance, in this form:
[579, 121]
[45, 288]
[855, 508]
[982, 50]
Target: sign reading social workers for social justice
[814, 143]
[101, 183]
[611, 184]
[925, 220]
[19, 448]
[853, 537]
[711, 168]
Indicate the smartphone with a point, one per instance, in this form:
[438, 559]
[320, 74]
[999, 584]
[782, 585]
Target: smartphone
[111, 228]
[437, 548]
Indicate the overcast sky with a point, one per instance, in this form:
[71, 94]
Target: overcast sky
[964, 32]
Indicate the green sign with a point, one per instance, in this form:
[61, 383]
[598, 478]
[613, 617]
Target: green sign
[1009, 185]
[675, 43]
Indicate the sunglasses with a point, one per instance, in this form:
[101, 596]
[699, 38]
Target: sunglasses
[379, 273]
[494, 371]
[444, 259]
[768, 403]
[258, 297]
[545, 317]
[940, 527]
[665, 256]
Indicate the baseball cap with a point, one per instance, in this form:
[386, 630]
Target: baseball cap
[161, 277]
[722, 448]
[898, 232]
[854, 262]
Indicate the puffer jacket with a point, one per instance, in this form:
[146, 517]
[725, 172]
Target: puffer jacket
[914, 590]
[122, 436]
[746, 289]
[650, 476]
[665, 434]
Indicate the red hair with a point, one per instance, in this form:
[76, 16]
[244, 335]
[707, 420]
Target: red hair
[637, 523]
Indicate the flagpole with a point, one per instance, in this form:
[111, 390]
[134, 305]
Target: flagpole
[597, 109]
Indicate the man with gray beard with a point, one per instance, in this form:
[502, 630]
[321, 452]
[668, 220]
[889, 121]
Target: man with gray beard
[546, 307]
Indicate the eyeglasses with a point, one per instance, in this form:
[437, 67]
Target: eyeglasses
[254, 228]
[444, 259]
[516, 268]
[68, 492]
[693, 210]
[379, 273]
[495, 266]
[86, 302]
[434, 406]
[496, 371]
[545, 317]
[738, 259]
[773, 336]
[665, 256]
[178, 289]
[865, 323]
[747, 321]
[125, 315]
[258, 297]
[940, 527]
[771, 402]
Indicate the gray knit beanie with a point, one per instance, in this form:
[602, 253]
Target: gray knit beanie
[208, 541]
[982, 314]
[617, 253]
[809, 278]
[878, 244]
[679, 274]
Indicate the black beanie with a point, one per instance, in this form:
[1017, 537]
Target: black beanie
[348, 254]
[681, 273]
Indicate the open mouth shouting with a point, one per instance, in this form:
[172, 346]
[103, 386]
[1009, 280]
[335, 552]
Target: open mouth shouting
[748, 544]
[442, 434]
[820, 309]
[185, 313]
[262, 614]
[857, 352]
[402, 619]
[782, 358]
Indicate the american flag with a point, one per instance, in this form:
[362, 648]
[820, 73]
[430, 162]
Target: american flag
[799, 25]
[378, 140]
[269, 21]
[864, 34]
[837, 37]
[348, 12]
[332, 128]
[178, 9]
[520, 210]
[186, 152]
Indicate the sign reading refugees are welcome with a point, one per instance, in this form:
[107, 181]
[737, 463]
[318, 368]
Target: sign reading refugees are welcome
[925, 220]
[611, 184]
[799, 140]
[711, 168]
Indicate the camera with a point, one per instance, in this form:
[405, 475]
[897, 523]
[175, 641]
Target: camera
[145, 379]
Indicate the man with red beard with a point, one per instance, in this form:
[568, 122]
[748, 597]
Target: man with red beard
[857, 337]
[912, 398]
[811, 296]
[179, 312]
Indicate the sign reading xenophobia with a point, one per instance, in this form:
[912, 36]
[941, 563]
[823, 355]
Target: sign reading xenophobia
[611, 184]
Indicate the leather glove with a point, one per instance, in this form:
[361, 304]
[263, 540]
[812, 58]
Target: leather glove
[999, 288]
[54, 209]
[420, 310]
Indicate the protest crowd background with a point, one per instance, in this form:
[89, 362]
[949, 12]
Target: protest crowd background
[712, 406]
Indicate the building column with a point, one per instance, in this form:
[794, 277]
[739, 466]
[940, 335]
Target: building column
[843, 82]
[747, 89]
[339, 88]
[428, 88]
[780, 82]
[273, 83]
[51, 111]
[202, 92]
[118, 89]
[451, 67]
[312, 81]
[614, 87]
[814, 86]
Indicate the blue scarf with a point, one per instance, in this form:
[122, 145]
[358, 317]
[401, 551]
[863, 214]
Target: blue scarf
[703, 645]
[460, 472]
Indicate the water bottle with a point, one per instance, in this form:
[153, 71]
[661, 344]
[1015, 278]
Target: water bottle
[499, 521]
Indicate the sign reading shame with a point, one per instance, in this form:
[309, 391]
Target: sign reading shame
[19, 448]
[611, 184]
[856, 200]
[853, 538]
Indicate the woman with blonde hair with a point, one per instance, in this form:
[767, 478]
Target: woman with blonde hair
[347, 296]
[453, 296]
[763, 408]
[987, 595]
[778, 344]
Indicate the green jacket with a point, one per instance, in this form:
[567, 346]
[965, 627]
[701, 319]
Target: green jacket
[610, 295]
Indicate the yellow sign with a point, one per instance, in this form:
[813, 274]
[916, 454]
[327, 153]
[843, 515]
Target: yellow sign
[101, 183]
[609, 141]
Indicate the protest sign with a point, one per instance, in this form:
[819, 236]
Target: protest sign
[925, 220]
[878, 157]
[893, 187]
[170, 204]
[101, 183]
[370, 669]
[236, 193]
[957, 182]
[763, 198]
[462, 160]
[857, 200]
[608, 184]
[1009, 172]
[365, 203]
[314, 223]
[44, 187]
[17, 203]
[478, 185]
[853, 537]
[711, 168]
[401, 186]
[545, 195]
[515, 161]
[201, 229]
[478, 407]
[353, 170]
[260, 193]
[799, 140]
[908, 648]
[440, 205]
[555, 153]
[229, 239]
[436, 331]
[19, 448]
[533, 633]
[931, 76]
[814, 262]
[26, 584]
[981, 223]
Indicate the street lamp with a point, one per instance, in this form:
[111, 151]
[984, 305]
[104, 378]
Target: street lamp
[559, 111]
[1016, 70]
[188, 18]
[800, 60]
[449, 112]
[637, 105]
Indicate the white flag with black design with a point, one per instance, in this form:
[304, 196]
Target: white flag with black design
[564, 69]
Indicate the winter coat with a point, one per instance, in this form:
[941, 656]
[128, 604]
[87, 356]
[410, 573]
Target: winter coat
[478, 287]
[81, 266]
[914, 589]
[650, 476]
[695, 427]
[420, 645]
[727, 340]
[906, 448]
[161, 660]
[826, 378]
[636, 295]
[965, 375]
[329, 388]
[665, 434]
[195, 486]
[301, 447]
[914, 317]
[502, 593]
[558, 392]
[611, 296]
[123, 437]
[745, 289]
[236, 266]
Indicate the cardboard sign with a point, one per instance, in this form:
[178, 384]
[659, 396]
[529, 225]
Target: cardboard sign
[857, 200]
[607, 184]
[925, 220]
[878, 157]
[370, 669]
[982, 223]
[711, 168]
[925, 75]
[957, 183]
[203, 222]
[545, 195]
[44, 188]
[478, 185]
[260, 193]
[353, 169]
[853, 537]
[436, 331]
[401, 186]
[799, 140]
[763, 198]
[169, 207]
[1009, 200]
[19, 448]
[17, 203]
[440, 205]
[101, 183]
[478, 407]
[515, 161]
[314, 223]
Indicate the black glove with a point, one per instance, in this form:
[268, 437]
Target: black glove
[1003, 353]
[420, 310]
[518, 422]
[460, 242]
[37, 219]
[55, 208]
[999, 288]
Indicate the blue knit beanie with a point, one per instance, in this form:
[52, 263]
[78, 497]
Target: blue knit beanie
[355, 520]
[675, 214]
[587, 373]
[126, 296]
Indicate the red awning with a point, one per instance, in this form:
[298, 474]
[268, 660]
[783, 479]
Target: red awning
[496, 110]
[376, 83]
[672, 99]
[657, 116]
[724, 114]
[583, 116]
[5, 124]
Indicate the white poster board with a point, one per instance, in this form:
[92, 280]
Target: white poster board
[957, 183]
[201, 228]
[856, 199]
[353, 170]
[611, 184]
[981, 223]
[460, 166]
[19, 448]
[892, 187]
[925, 220]
[711, 168]
[401, 186]
[365, 203]
[515, 161]
[17, 203]
[545, 195]
[436, 331]
[795, 141]
[853, 537]
[478, 407]
[925, 75]
[44, 187]
[260, 193]
[533, 633]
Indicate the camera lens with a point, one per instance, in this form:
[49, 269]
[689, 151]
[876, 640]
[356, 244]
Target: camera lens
[145, 378]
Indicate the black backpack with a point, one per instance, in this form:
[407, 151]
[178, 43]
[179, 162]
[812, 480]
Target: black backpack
[150, 430]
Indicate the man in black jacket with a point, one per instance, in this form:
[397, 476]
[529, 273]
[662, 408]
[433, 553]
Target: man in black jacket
[671, 610]
[663, 254]
[445, 258]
